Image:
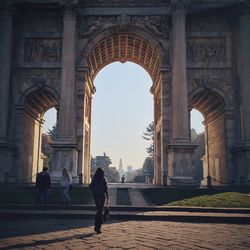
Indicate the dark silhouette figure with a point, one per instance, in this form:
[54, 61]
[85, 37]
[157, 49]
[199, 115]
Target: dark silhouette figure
[123, 178]
[43, 185]
[99, 187]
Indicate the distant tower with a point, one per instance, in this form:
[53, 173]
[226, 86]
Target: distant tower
[120, 168]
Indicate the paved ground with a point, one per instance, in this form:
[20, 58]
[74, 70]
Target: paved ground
[78, 234]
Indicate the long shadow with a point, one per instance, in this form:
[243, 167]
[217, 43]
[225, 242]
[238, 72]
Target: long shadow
[10, 228]
[46, 242]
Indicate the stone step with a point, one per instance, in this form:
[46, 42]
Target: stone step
[196, 217]
[130, 208]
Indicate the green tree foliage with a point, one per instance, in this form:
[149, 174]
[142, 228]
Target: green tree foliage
[198, 139]
[148, 168]
[52, 133]
[149, 136]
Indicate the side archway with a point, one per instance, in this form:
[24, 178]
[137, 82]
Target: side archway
[213, 107]
[29, 119]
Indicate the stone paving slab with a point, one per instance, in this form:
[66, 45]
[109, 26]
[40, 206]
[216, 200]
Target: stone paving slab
[78, 234]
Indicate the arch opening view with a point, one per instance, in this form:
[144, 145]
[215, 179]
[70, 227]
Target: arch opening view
[122, 108]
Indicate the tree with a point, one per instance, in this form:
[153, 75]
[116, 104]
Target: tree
[148, 168]
[52, 133]
[198, 139]
[149, 136]
[104, 162]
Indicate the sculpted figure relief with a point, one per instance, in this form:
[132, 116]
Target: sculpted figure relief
[42, 50]
[207, 50]
[155, 24]
[94, 24]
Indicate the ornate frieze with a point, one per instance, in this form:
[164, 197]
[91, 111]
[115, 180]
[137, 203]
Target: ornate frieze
[89, 25]
[41, 50]
[212, 79]
[120, 3]
[207, 24]
[158, 25]
[206, 50]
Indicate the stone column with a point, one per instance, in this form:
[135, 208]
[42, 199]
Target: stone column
[66, 124]
[65, 148]
[6, 149]
[245, 88]
[5, 68]
[245, 70]
[180, 150]
[181, 127]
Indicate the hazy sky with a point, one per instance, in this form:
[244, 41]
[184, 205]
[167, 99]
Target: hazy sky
[122, 108]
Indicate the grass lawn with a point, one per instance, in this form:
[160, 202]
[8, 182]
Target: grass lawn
[27, 195]
[220, 197]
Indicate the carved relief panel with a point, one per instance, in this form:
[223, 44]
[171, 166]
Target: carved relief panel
[41, 50]
[206, 50]
[208, 42]
[157, 25]
[87, 26]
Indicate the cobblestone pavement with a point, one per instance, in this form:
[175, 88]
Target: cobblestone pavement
[78, 234]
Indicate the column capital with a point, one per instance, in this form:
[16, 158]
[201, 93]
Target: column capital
[244, 7]
[69, 8]
[179, 7]
[6, 11]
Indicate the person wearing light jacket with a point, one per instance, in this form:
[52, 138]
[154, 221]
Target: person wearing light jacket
[66, 182]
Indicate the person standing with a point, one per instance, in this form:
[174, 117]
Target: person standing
[43, 185]
[123, 178]
[99, 187]
[66, 182]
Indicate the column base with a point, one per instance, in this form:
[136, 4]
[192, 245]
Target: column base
[65, 155]
[242, 159]
[180, 164]
[7, 154]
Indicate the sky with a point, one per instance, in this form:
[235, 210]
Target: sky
[122, 108]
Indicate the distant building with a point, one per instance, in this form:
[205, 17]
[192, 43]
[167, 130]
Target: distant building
[120, 169]
[129, 168]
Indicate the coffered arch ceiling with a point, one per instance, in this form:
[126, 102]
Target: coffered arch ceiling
[209, 103]
[39, 101]
[124, 47]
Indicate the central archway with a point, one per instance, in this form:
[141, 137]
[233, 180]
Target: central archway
[114, 46]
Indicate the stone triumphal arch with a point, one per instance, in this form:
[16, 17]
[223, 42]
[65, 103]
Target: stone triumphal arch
[196, 52]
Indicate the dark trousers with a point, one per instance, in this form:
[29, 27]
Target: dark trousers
[44, 193]
[99, 202]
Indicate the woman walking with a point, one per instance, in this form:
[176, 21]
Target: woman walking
[99, 187]
[66, 182]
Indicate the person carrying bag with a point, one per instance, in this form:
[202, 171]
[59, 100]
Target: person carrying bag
[99, 188]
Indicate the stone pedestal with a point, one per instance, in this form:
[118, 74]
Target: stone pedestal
[180, 164]
[64, 156]
[7, 153]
